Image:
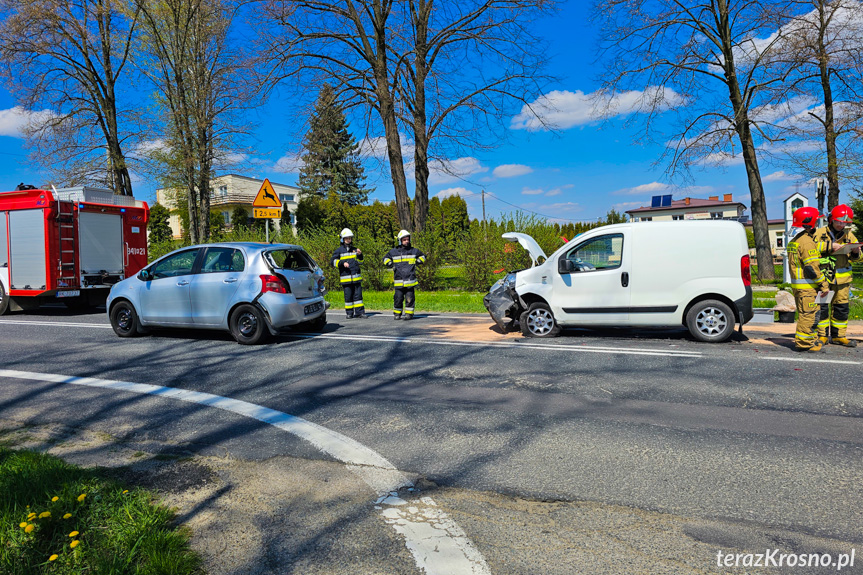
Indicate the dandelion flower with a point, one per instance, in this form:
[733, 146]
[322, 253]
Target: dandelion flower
[74, 533]
[53, 557]
[44, 514]
[125, 491]
[55, 498]
[29, 528]
[82, 496]
[74, 543]
[22, 525]
[67, 516]
[31, 516]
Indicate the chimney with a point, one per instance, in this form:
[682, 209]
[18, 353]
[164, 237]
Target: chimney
[713, 198]
[727, 198]
[686, 201]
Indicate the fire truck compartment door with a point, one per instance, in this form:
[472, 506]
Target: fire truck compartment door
[101, 242]
[27, 249]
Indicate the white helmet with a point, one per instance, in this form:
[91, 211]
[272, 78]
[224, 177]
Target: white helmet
[346, 233]
[403, 233]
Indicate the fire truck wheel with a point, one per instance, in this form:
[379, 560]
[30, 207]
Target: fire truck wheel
[124, 320]
[4, 300]
[248, 326]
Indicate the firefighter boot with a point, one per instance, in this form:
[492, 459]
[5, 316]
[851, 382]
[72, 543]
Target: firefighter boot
[815, 348]
[844, 341]
[823, 340]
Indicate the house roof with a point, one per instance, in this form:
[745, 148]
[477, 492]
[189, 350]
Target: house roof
[769, 223]
[681, 204]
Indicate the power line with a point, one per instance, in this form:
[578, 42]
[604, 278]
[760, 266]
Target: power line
[531, 211]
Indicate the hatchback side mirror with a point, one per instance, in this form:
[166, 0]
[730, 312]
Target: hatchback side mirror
[565, 266]
[145, 275]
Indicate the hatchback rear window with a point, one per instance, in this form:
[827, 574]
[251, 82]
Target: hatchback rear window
[296, 260]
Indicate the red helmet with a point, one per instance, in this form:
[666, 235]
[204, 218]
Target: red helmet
[842, 213]
[805, 217]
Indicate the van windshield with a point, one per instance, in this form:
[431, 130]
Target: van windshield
[295, 260]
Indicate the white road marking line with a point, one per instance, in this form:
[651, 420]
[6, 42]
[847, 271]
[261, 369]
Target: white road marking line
[437, 543]
[434, 341]
[54, 323]
[812, 360]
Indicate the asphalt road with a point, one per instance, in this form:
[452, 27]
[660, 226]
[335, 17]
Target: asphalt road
[747, 434]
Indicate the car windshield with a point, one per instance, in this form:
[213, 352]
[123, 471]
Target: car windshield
[296, 260]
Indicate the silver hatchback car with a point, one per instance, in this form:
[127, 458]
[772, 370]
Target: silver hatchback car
[251, 290]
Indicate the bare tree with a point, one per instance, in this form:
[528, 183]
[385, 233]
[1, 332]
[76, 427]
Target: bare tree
[68, 56]
[444, 72]
[823, 50]
[703, 65]
[187, 54]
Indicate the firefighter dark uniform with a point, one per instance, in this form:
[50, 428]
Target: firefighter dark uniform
[404, 259]
[806, 280]
[349, 276]
[837, 269]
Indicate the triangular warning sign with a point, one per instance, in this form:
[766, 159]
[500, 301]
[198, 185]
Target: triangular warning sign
[267, 197]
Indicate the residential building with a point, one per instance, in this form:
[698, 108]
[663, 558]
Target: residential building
[776, 231]
[664, 208]
[228, 192]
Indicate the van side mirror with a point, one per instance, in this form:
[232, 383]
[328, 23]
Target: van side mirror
[145, 275]
[565, 266]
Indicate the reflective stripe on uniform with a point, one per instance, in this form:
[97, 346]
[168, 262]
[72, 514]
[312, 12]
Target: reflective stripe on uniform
[409, 310]
[347, 256]
[398, 283]
[812, 284]
[813, 259]
[350, 278]
[421, 259]
[802, 335]
[388, 261]
[410, 283]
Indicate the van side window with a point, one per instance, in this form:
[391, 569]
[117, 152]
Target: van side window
[602, 253]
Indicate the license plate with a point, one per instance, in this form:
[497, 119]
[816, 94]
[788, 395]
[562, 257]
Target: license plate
[70, 293]
[313, 308]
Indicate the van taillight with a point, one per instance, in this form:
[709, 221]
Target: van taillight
[745, 271]
[273, 284]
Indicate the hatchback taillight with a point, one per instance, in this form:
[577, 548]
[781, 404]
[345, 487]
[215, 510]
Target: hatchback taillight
[745, 272]
[273, 284]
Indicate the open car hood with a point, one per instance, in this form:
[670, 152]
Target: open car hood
[527, 243]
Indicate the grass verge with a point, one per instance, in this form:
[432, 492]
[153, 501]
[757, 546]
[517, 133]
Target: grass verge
[59, 518]
[438, 301]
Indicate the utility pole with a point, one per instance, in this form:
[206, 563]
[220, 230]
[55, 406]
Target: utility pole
[483, 206]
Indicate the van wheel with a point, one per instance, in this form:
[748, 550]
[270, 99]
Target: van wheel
[248, 326]
[124, 320]
[538, 321]
[711, 321]
[4, 299]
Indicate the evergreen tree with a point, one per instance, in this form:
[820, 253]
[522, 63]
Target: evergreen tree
[331, 162]
[158, 226]
[239, 217]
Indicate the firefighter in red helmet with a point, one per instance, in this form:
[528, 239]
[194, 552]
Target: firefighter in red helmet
[837, 268]
[807, 279]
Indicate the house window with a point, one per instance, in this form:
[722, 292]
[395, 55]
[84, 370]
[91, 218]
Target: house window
[223, 191]
[716, 215]
[780, 239]
[227, 217]
[680, 217]
[286, 198]
[646, 219]
[796, 204]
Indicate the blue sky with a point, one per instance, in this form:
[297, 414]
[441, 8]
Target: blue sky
[576, 173]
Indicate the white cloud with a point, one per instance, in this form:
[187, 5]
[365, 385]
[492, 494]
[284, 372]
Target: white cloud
[14, 120]
[562, 109]
[377, 147]
[722, 159]
[623, 206]
[566, 207]
[289, 164]
[651, 188]
[511, 170]
[448, 171]
[540, 191]
[554, 192]
[532, 191]
[779, 176]
[462, 192]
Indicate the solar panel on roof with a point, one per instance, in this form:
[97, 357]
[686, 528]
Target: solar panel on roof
[666, 201]
[655, 201]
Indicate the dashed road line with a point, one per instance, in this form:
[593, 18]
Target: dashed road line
[438, 544]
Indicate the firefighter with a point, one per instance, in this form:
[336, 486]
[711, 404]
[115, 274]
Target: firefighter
[404, 259]
[838, 271]
[807, 279]
[347, 260]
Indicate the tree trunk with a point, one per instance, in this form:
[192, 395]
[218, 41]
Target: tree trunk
[763, 253]
[394, 148]
[420, 12]
[829, 124]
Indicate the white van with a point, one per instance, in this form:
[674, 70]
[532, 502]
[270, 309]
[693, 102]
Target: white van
[659, 274]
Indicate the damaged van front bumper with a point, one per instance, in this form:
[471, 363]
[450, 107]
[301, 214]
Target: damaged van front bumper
[502, 302]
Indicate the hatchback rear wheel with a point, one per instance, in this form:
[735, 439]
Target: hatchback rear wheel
[247, 325]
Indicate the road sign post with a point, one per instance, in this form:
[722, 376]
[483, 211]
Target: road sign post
[267, 205]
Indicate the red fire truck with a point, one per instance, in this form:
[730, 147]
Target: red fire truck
[68, 245]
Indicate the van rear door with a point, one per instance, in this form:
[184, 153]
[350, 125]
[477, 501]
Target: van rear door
[597, 290]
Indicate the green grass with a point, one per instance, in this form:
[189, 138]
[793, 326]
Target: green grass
[436, 301]
[119, 532]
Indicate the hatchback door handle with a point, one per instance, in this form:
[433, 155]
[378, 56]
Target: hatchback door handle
[624, 279]
[183, 283]
[229, 280]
